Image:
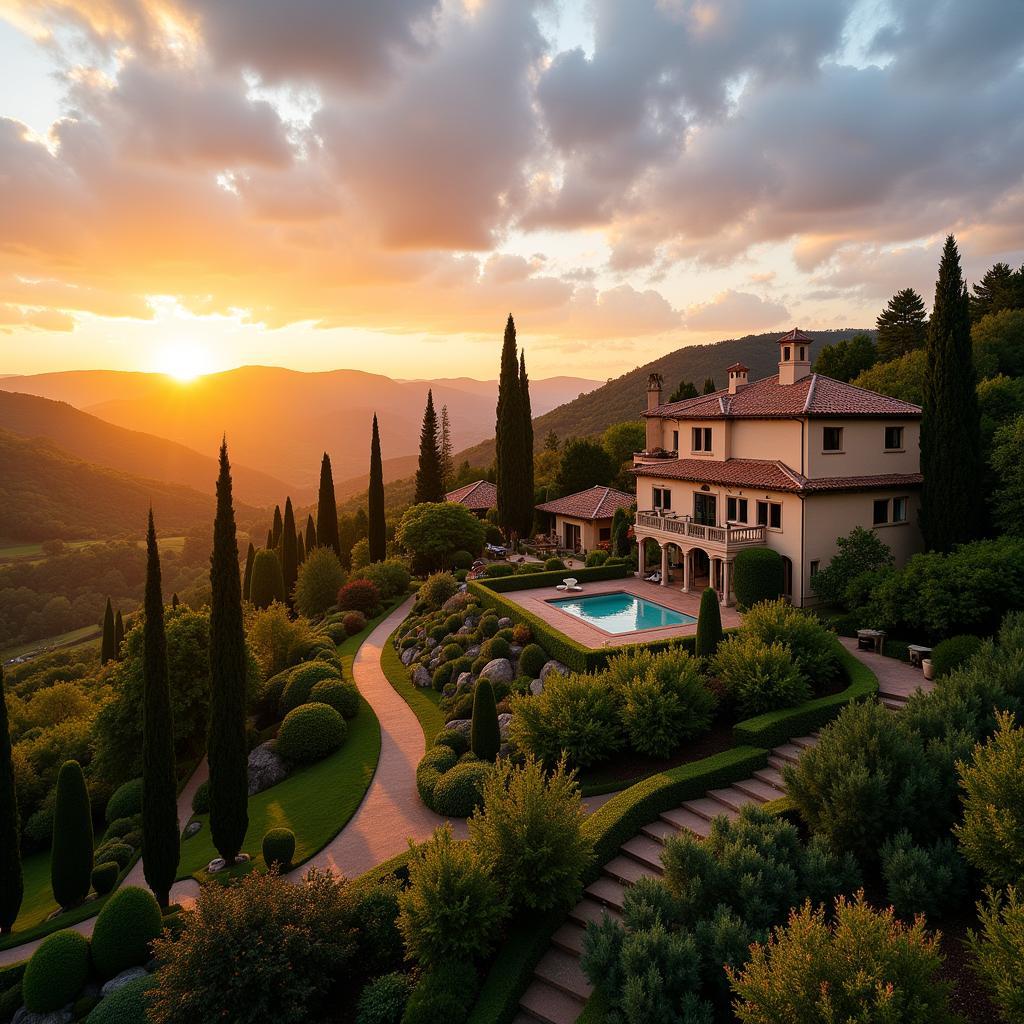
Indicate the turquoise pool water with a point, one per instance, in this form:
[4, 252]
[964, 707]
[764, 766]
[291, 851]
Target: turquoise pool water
[622, 613]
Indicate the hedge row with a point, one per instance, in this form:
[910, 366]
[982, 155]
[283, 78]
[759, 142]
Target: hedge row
[552, 577]
[775, 727]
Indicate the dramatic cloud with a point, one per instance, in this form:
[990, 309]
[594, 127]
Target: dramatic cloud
[735, 311]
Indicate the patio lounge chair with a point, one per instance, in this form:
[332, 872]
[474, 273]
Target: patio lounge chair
[654, 577]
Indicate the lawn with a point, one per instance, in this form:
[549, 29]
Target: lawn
[424, 702]
[72, 638]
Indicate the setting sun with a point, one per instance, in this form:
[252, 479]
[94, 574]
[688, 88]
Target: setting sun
[183, 361]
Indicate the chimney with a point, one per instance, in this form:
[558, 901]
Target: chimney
[794, 357]
[654, 432]
[654, 385]
[737, 377]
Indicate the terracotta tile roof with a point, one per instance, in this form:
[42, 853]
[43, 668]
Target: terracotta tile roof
[795, 335]
[737, 366]
[480, 494]
[814, 395]
[594, 503]
[766, 475]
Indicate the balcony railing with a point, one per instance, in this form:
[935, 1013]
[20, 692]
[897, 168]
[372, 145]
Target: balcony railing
[729, 535]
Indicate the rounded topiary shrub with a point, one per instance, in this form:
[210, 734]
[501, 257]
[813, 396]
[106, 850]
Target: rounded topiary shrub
[462, 560]
[442, 677]
[435, 762]
[120, 853]
[104, 876]
[354, 622]
[340, 694]
[127, 1005]
[359, 596]
[532, 660]
[383, 1000]
[460, 790]
[56, 973]
[489, 625]
[127, 924]
[438, 588]
[126, 801]
[496, 647]
[496, 570]
[201, 799]
[301, 682]
[596, 558]
[954, 652]
[278, 847]
[310, 733]
[120, 827]
[757, 576]
[450, 738]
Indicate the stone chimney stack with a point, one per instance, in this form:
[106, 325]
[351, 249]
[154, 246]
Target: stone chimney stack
[654, 439]
[794, 356]
[737, 377]
[654, 386]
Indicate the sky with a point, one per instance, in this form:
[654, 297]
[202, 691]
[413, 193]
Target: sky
[192, 185]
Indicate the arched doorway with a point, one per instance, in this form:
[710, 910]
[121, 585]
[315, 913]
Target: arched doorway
[700, 569]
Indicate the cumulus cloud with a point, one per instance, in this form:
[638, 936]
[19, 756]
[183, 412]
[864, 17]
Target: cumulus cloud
[735, 311]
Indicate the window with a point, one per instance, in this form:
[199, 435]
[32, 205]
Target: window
[815, 567]
[803, 352]
[894, 439]
[662, 498]
[705, 509]
[832, 439]
[702, 439]
[571, 533]
[736, 510]
[769, 513]
[899, 510]
[675, 440]
[881, 512]
[605, 533]
[785, 354]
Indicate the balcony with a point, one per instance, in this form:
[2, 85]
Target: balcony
[654, 456]
[722, 539]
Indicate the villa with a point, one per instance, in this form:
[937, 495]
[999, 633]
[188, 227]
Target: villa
[479, 497]
[582, 522]
[789, 462]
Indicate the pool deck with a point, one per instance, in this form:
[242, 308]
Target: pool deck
[538, 602]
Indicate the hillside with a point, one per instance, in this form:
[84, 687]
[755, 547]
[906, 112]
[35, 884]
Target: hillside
[46, 493]
[130, 451]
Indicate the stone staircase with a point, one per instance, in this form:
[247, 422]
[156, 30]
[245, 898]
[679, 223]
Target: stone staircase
[560, 989]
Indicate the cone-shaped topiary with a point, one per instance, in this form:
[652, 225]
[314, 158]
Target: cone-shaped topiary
[709, 624]
[12, 887]
[376, 524]
[289, 552]
[485, 735]
[129, 921]
[71, 854]
[107, 649]
[310, 533]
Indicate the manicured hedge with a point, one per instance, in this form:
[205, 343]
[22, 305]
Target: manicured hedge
[551, 578]
[775, 727]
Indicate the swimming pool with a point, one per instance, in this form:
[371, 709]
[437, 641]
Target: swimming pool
[621, 613]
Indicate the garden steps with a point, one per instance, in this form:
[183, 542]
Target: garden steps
[805, 742]
[607, 891]
[733, 797]
[762, 792]
[569, 937]
[644, 850]
[681, 819]
[627, 870]
[771, 777]
[660, 831]
[588, 910]
[562, 971]
[787, 752]
[549, 1005]
[708, 808]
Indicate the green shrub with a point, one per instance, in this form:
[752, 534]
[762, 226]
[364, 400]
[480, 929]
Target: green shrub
[529, 568]
[452, 909]
[120, 853]
[319, 578]
[709, 624]
[462, 560]
[498, 570]
[438, 588]
[339, 694]
[56, 972]
[10, 1001]
[127, 1005]
[999, 950]
[866, 966]
[353, 622]
[952, 653]
[553, 564]
[489, 625]
[532, 660]
[485, 736]
[383, 1000]
[496, 647]
[444, 993]
[451, 651]
[596, 558]
[757, 576]
[391, 577]
[459, 791]
[442, 677]
[120, 827]
[456, 741]
[814, 648]
[126, 801]
[201, 799]
[859, 552]
[71, 855]
[759, 677]
[434, 763]
[300, 683]
[522, 634]
[104, 876]
[278, 847]
[129, 921]
[928, 880]
[359, 596]
[310, 733]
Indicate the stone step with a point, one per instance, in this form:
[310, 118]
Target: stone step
[680, 818]
[588, 910]
[805, 742]
[788, 752]
[607, 891]
[902, 698]
[627, 870]
[523, 1018]
[645, 851]
[733, 798]
[779, 762]
[562, 971]
[660, 831]
[762, 792]
[550, 1005]
[708, 809]
[569, 938]
[771, 777]
[892, 704]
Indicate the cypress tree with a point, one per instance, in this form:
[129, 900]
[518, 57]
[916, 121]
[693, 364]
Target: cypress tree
[247, 578]
[327, 510]
[951, 509]
[300, 548]
[107, 649]
[12, 885]
[526, 485]
[508, 435]
[270, 540]
[901, 326]
[226, 750]
[485, 734]
[160, 845]
[709, 386]
[289, 552]
[310, 533]
[118, 634]
[709, 624]
[174, 600]
[376, 524]
[277, 528]
[71, 853]
[447, 465]
[429, 485]
[267, 583]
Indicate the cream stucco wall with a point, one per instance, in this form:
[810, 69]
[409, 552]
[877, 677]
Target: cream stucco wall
[766, 439]
[590, 530]
[863, 443]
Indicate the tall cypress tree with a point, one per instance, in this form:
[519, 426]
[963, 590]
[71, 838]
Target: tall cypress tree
[709, 386]
[71, 852]
[310, 533]
[107, 649]
[300, 548]
[277, 528]
[289, 552]
[160, 845]
[327, 510]
[226, 750]
[508, 433]
[526, 486]
[447, 463]
[12, 885]
[377, 526]
[270, 540]
[951, 506]
[429, 483]
[118, 634]
[247, 578]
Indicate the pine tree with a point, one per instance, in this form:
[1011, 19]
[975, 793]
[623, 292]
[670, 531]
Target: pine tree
[310, 533]
[71, 852]
[1001, 288]
[12, 885]
[709, 624]
[686, 389]
[510, 471]
[709, 386]
[526, 486]
[327, 510]
[118, 634]
[376, 526]
[552, 442]
[107, 649]
[226, 750]
[485, 735]
[160, 846]
[429, 485]
[289, 552]
[447, 463]
[950, 436]
[902, 326]
[247, 578]
[277, 528]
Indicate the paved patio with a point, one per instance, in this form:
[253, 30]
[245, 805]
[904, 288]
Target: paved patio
[538, 603]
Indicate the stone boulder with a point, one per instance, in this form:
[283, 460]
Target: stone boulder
[266, 768]
[503, 724]
[553, 666]
[428, 642]
[464, 683]
[409, 655]
[421, 678]
[515, 650]
[191, 829]
[537, 687]
[25, 1016]
[498, 670]
[504, 622]
[473, 652]
[122, 979]
[463, 726]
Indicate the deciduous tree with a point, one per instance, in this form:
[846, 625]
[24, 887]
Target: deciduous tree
[584, 464]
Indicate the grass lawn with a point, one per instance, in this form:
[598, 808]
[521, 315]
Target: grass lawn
[424, 703]
[72, 638]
